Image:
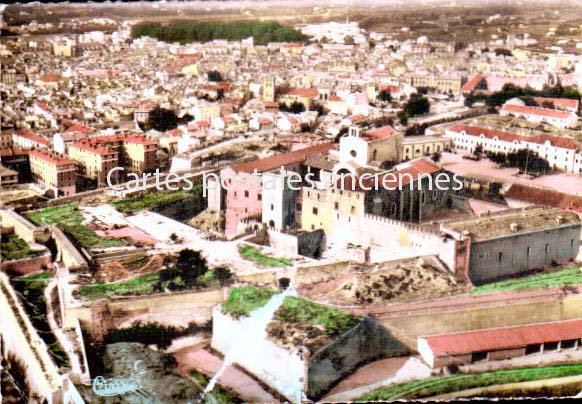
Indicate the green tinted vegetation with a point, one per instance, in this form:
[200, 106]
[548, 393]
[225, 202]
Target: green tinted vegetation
[153, 200]
[70, 220]
[253, 254]
[560, 277]
[140, 285]
[219, 393]
[31, 290]
[13, 247]
[299, 310]
[188, 31]
[510, 91]
[440, 385]
[243, 300]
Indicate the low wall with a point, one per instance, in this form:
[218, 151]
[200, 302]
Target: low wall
[68, 253]
[366, 342]
[24, 228]
[100, 316]
[465, 319]
[20, 338]
[27, 266]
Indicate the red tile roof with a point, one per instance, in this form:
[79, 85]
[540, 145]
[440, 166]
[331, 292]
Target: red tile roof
[33, 137]
[545, 112]
[50, 78]
[93, 148]
[545, 197]
[556, 141]
[473, 82]
[565, 103]
[139, 140]
[283, 159]
[303, 92]
[398, 179]
[79, 128]
[51, 158]
[391, 89]
[503, 338]
[380, 133]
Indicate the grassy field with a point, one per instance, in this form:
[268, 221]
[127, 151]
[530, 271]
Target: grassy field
[140, 285]
[70, 220]
[243, 300]
[299, 310]
[566, 276]
[152, 200]
[447, 384]
[13, 247]
[253, 254]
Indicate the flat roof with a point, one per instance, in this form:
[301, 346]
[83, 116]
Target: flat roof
[499, 224]
[493, 339]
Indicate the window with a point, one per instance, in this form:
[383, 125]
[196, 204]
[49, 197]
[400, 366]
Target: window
[246, 194]
[528, 251]
[336, 205]
[353, 153]
[272, 207]
[259, 197]
[353, 210]
[314, 210]
[500, 257]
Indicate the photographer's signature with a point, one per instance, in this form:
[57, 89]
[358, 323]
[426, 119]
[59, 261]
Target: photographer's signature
[119, 386]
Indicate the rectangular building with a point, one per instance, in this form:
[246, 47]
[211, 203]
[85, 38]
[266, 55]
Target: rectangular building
[468, 347]
[54, 172]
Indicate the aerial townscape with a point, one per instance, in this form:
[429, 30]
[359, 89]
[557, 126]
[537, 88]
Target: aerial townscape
[290, 201]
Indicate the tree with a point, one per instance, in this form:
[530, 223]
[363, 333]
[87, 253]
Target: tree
[297, 107]
[503, 52]
[161, 119]
[191, 265]
[214, 76]
[416, 105]
[436, 157]
[478, 151]
[223, 275]
[385, 96]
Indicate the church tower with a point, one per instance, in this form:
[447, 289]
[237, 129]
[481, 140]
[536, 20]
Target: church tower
[269, 89]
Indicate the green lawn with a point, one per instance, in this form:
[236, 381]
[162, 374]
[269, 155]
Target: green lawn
[244, 299]
[70, 220]
[253, 254]
[448, 384]
[152, 200]
[140, 285]
[13, 247]
[560, 277]
[299, 310]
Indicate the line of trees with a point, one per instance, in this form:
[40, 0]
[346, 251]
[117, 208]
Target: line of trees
[510, 91]
[525, 160]
[188, 31]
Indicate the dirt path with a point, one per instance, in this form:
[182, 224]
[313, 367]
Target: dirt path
[196, 357]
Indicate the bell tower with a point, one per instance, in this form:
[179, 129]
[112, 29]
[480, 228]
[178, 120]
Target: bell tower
[269, 89]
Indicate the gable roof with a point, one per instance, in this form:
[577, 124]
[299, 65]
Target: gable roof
[545, 112]
[283, 159]
[556, 141]
[503, 338]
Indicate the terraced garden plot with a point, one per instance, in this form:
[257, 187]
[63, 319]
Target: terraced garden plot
[439, 385]
[13, 247]
[69, 219]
